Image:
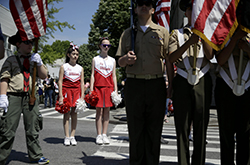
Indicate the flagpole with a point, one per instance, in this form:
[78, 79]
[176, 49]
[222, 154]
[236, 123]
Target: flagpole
[32, 97]
[195, 57]
[240, 67]
[132, 26]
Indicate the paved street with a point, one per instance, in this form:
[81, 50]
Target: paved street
[87, 152]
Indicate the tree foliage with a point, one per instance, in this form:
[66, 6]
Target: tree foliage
[110, 20]
[85, 59]
[58, 49]
[55, 51]
[52, 24]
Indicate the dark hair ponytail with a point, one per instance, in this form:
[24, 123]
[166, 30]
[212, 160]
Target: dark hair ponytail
[69, 51]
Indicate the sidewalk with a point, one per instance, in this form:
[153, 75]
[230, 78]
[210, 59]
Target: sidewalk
[118, 116]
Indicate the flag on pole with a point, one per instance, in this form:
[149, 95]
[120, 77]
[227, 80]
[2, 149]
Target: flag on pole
[162, 13]
[30, 17]
[214, 21]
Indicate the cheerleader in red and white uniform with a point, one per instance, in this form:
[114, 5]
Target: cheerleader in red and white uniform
[103, 82]
[71, 86]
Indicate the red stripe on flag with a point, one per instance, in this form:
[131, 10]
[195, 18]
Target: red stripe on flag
[201, 19]
[41, 9]
[227, 20]
[17, 20]
[31, 18]
[163, 7]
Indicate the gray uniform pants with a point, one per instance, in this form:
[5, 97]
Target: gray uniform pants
[32, 123]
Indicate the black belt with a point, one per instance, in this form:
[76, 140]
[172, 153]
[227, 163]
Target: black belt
[144, 76]
[18, 94]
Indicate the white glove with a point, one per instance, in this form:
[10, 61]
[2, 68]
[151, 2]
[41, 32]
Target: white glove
[4, 102]
[36, 58]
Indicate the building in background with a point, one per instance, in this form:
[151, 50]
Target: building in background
[8, 29]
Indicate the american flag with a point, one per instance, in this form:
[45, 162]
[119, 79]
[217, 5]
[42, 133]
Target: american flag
[30, 17]
[214, 21]
[162, 13]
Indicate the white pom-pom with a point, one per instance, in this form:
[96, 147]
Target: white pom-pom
[116, 98]
[80, 106]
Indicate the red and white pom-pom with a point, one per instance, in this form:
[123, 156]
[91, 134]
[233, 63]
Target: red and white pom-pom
[80, 106]
[116, 98]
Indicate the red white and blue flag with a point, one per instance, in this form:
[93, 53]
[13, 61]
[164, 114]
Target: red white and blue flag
[162, 13]
[214, 20]
[30, 17]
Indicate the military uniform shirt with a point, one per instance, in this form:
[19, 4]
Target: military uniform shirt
[174, 45]
[151, 47]
[12, 71]
[236, 57]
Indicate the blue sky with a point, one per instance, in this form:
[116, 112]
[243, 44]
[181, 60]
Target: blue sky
[76, 12]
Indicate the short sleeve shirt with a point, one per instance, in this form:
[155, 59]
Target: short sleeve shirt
[174, 45]
[151, 47]
[236, 57]
[12, 71]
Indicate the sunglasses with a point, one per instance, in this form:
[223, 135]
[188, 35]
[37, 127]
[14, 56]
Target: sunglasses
[28, 42]
[106, 45]
[141, 3]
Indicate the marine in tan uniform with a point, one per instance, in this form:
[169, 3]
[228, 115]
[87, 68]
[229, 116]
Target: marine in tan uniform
[14, 98]
[232, 100]
[191, 92]
[145, 88]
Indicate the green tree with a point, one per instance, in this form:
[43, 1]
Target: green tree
[55, 51]
[110, 20]
[85, 59]
[50, 54]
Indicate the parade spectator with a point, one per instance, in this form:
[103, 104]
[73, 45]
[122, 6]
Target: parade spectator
[71, 87]
[55, 92]
[191, 92]
[16, 76]
[103, 82]
[87, 89]
[145, 88]
[48, 90]
[233, 125]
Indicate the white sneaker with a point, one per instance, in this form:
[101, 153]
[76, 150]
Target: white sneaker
[99, 140]
[105, 139]
[67, 141]
[73, 141]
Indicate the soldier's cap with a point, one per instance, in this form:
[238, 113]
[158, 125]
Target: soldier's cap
[15, 38]
[184, 4]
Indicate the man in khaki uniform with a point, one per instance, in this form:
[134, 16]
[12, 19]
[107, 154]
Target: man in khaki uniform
[16, 83]
[145, 88]
[191, 93]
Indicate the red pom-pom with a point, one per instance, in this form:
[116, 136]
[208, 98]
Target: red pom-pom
[64, 108]
[170, 106]
[91, 99]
